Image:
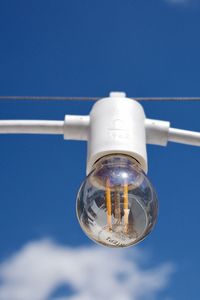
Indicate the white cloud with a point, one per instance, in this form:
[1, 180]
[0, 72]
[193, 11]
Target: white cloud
[93, 273]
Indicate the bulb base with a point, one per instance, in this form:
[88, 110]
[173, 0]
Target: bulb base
[117, 126]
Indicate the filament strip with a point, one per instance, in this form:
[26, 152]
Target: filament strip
[126, 210]
[108, 204]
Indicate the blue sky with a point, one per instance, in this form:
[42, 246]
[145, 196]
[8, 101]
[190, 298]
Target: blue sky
[88, 48]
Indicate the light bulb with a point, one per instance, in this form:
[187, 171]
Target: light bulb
[116, 204]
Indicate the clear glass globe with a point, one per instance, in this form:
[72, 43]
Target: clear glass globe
[116, 204]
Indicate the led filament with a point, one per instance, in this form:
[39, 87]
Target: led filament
[116, 204]
[120, 217]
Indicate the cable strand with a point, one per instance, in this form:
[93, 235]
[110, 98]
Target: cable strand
[63, 98]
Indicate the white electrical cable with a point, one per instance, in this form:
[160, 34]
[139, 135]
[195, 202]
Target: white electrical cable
[184, 136]
[72, 128]
[160, 133]
[76, 128]
[31, 127]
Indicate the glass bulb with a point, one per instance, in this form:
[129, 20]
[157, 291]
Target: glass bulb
[116, 204]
